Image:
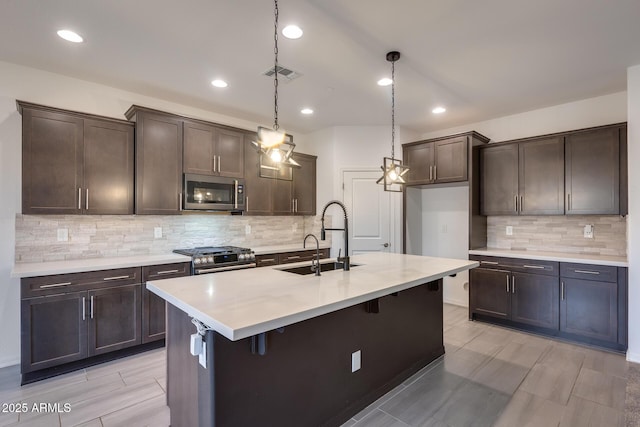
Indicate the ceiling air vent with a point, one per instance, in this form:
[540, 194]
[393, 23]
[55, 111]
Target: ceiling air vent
[287, 73]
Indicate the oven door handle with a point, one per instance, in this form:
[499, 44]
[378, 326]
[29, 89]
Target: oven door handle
[217, 269]
[235, 183]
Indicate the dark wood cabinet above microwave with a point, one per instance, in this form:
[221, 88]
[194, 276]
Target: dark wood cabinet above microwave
[75, 163]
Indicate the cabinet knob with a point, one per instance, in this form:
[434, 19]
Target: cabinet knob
[386, 245]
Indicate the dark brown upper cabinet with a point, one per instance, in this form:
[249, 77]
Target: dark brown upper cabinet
[74, 163]
[592, 164]
[212, 150]
[523, 179]
[158, 161]
[304, 185]
[574, 173]
[258, 199]
[438, 161]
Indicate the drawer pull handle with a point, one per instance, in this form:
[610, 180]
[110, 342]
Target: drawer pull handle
[586, 271]
[268, 260]
[489, 262]
[539, 267]
[293, 257]
[55, 285]
[115, 278]
[167, 272]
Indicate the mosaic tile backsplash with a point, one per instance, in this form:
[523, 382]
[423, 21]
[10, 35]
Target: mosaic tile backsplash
[559, 234]
[97, 236]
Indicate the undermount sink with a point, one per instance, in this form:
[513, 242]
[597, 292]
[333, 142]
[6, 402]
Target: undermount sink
[306, 269]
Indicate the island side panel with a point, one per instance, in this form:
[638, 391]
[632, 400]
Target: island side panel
[182, 369]
[305, 376]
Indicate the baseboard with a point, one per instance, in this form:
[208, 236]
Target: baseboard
[633, 357]
[459, 303]
[9, 361]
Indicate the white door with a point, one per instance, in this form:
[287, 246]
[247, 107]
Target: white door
[369, 210]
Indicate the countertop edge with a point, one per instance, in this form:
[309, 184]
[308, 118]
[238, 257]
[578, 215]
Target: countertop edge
[258, 328]
[553, 256]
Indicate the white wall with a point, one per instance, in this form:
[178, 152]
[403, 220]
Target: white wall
[633, 220]
[602, 110]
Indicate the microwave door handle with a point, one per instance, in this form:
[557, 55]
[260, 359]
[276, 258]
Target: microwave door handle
[235, 183]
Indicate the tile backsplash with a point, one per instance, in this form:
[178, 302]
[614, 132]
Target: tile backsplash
[559, 234]
[97, 236]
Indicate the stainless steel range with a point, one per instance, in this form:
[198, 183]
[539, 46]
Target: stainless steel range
[216, 259]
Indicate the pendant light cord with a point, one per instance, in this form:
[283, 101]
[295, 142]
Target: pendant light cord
[393, 109]
[275, 69]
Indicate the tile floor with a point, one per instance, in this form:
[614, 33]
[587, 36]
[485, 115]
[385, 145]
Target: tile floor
[489, 376]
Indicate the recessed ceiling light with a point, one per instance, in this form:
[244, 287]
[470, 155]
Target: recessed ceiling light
[386, 81]
[306, 111]
[292, 32]
[219, 83]
[438, 110]
[70, 36]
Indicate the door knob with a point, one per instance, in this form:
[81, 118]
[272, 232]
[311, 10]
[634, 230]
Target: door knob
[386, 245]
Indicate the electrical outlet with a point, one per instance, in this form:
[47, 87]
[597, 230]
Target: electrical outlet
[247, 229]
[509, 230]
[63, 234]
[588, 231]
[157, 232]
[355, 361]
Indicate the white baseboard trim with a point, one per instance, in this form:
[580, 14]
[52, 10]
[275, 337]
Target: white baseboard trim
[9, 361]
[460, 303]
[633, 357]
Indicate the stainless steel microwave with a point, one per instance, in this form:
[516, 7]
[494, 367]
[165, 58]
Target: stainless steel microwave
[213, 193]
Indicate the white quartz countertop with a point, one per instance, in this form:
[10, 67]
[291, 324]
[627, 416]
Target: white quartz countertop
[242, 303]
[33, 269]
[276, 249]
[615, 261]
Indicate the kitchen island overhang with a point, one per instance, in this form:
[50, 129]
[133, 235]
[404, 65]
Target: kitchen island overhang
[305, 375]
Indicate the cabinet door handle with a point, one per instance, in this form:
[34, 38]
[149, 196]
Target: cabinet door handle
[159, 273]
[55, 285]
[86, 201]
[435, 172]
[246, 203]
[91, 301]
[214, 163]
[537, 267]
[219, 167]
[84, 313]
[79, 198]
[568, 201]
[586, 271]
[521, 203]
[115, 278]
[430, 173]
[562, 291]
[513, 284]
[235, 186]
[507, 283]
[180, 197]
[515, 198]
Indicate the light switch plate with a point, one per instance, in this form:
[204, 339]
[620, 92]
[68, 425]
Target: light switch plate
[355, 361]
[157, 232]
[509, 230]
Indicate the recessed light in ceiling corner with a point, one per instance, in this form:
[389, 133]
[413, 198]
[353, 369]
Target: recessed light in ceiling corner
[438, 110]
[385, 81]
[219, 83]
[292, 32]
[70, 36]
[307, 111]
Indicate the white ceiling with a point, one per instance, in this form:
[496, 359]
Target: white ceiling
[481, 59]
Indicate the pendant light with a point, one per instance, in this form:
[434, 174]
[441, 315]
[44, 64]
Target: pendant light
[393, 170]
[274, 145]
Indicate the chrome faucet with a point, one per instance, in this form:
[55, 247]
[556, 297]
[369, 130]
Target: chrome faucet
[323, 235]
[314, 266]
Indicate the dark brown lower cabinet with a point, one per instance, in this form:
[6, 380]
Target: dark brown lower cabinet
[54, 330]
[579, 302]
[266, 260]
[114, 318]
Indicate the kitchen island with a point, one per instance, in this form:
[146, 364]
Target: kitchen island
[287, 349]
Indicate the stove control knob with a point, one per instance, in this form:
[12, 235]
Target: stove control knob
[210, 259]
[196, 260]
[252, 256]
[241, 257]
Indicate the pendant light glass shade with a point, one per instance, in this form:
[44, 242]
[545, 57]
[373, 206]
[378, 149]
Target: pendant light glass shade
[393, 171]
[275, 146]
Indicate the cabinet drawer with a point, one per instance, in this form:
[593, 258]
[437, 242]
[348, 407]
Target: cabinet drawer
[549, 268]
[62, 283]
[165, 271]
[490, 261]
[289, 257]
[601, 273]
[266, 260]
